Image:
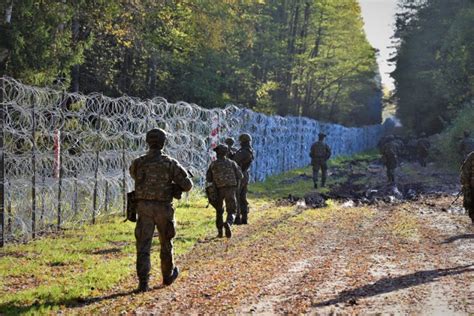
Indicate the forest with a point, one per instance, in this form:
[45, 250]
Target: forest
[434, 73]
[301, 57]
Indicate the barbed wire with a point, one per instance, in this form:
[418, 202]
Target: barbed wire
[67, 154]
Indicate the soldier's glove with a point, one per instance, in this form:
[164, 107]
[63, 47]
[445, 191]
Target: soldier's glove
[131, 207]
[177, 192]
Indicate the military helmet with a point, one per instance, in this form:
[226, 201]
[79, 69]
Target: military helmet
[229, 141]
[322, 135]
[245, 138]
[221, 149]
[156, 136]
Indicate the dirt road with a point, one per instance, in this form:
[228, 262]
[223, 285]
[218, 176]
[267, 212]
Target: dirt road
[410, 258]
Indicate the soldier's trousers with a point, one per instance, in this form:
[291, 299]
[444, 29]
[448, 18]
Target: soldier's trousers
[391, 174]
[228, 196]
[468, 202]
[324, 171]
[243, 204]
[161, 215]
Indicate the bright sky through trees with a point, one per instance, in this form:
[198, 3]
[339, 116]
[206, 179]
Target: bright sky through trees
[379, 18]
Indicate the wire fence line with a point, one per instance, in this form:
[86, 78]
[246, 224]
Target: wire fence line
[65, 156]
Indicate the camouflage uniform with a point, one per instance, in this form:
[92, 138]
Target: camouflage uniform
[390, 159]
[225, 174]
[467, 145]
[243, 157]
[320, 153]
[422, 148]
[467, 181]
[157, 178]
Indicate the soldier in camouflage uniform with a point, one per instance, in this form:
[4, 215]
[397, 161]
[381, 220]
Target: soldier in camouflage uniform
[225, 175]
[467, 145]
[158, 178]
[467, 181]
[422, 149]
[390, 158]
[231, 150]
[243, 157]
[320, 153]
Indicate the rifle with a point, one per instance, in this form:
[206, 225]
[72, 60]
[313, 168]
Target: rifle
[457, 197]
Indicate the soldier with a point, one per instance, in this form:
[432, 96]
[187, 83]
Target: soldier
[390, 158]
[467, 181]
[467, 144]
[243, 157]
[231, 150]
[422, 149]
[320, 153]
[225, 175]
[158, 178]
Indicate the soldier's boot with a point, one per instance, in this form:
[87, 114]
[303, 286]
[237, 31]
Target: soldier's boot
[220, 234]
[174, 275]
[238, 220]
[244, 219]
[228, 231]
[143, 286]
[315, 185]
[323, 183]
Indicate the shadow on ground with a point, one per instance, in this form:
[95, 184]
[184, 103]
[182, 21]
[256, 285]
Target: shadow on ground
[390, 284]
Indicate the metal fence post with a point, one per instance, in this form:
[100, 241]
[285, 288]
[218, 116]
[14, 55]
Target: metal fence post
[2, 164]
[96, 172]
[33, 167]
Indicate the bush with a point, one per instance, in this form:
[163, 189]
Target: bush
[446, 144]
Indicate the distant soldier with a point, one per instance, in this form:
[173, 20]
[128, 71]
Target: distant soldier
[423, 149]
[390, 158]
[243, 157]
[158, 178]
[225, 176]
[231, 150]
[320, 153]
[467, 181]
[467, 144]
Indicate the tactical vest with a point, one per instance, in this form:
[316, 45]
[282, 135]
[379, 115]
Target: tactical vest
[319, 150]
[154, 178]
[223, 173]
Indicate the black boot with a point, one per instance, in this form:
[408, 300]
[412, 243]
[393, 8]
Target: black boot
[143, 286]
[219, 233]
[228, 231]
[238, 220]
[315, 185]
[174, 275]
[244, 219]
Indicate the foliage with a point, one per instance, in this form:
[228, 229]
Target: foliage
[302, 57]
[435, 62]
[446, 147]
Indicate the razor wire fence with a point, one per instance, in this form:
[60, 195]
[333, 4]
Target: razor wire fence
[65, 156]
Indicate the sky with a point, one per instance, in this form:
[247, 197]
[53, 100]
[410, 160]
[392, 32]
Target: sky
[379, 19]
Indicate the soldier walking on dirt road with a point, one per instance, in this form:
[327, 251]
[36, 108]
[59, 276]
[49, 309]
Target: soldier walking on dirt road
[390, 158]
[225, 175]
[320, 153]
[243, 157]
[423, 149]
[158, 178]
[467, 181]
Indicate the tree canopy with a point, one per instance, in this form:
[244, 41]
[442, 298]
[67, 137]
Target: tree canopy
[300, 57]
[434, 75]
